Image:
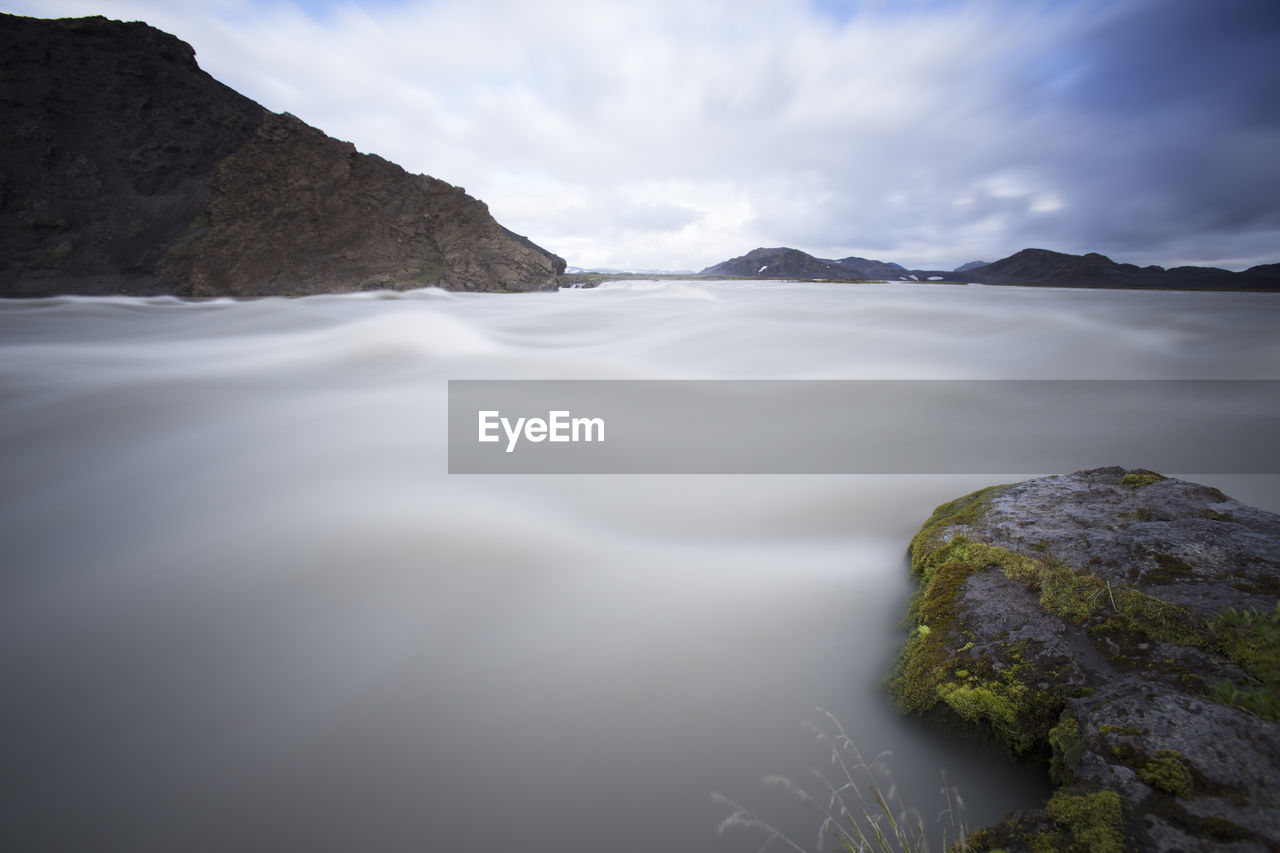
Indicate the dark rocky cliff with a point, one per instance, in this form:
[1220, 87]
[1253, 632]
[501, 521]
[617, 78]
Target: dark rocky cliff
[124, 168]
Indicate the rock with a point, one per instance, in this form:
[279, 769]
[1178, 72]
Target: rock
[1123, 626]
[126, 168]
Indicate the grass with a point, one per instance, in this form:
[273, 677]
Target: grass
[855, 812]
[1252, 640]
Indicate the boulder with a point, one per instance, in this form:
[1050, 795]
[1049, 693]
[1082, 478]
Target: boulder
[1123, 627]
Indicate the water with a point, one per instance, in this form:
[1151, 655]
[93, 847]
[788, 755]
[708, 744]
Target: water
[244, 607]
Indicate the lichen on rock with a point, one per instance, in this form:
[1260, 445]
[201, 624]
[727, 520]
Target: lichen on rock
[1121, 626]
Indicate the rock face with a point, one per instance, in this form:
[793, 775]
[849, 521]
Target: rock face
[125, 168]
[1124, 626]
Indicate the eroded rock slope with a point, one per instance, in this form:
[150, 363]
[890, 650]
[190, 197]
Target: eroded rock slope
[125, 168]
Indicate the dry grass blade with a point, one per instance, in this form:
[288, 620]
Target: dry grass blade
[856, 811]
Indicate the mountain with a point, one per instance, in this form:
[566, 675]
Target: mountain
[125, 168]
[1265, 270]
[780, 263]
[792, 263]
[1030, 267]
[873, 269]
[1044, 267]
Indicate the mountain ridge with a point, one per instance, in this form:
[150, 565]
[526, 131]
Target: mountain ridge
[1028, 267]
[125, 168]
[793, 263]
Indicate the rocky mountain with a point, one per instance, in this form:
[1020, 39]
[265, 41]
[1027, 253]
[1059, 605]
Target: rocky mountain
[1029, 267]
[780, 263]
[1264, 270]
[125, 168]
[1043, 267]
[792, 263]
[873, 269]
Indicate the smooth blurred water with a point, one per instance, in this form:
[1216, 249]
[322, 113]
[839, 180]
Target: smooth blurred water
[242, 605]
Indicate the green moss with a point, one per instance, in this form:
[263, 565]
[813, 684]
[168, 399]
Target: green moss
[1167, 771]
[1071, 596]
[1262, 584]
[1138, 479]
[1003, 706]
[927, 660]
[1087, 822]
[930, 673]
[1168, 569]
[1125, 752]
[1221, 829]
[1142, 513]
[1146, 617]
[1214, 515]
[1068, 747]
[962, 510]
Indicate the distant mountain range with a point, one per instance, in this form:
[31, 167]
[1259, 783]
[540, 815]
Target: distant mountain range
[1029, 267]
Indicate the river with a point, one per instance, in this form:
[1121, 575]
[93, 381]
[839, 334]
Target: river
[245, 606]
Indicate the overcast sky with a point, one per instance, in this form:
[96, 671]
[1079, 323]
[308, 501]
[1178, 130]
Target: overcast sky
[675, 134]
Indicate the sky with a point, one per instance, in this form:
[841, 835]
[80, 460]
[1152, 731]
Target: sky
[674, 134]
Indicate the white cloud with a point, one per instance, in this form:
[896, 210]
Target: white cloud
[677, 134]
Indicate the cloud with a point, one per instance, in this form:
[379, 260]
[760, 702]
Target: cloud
[676, 134]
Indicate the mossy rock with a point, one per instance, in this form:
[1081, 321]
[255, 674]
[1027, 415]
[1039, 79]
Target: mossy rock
[1047, 619]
